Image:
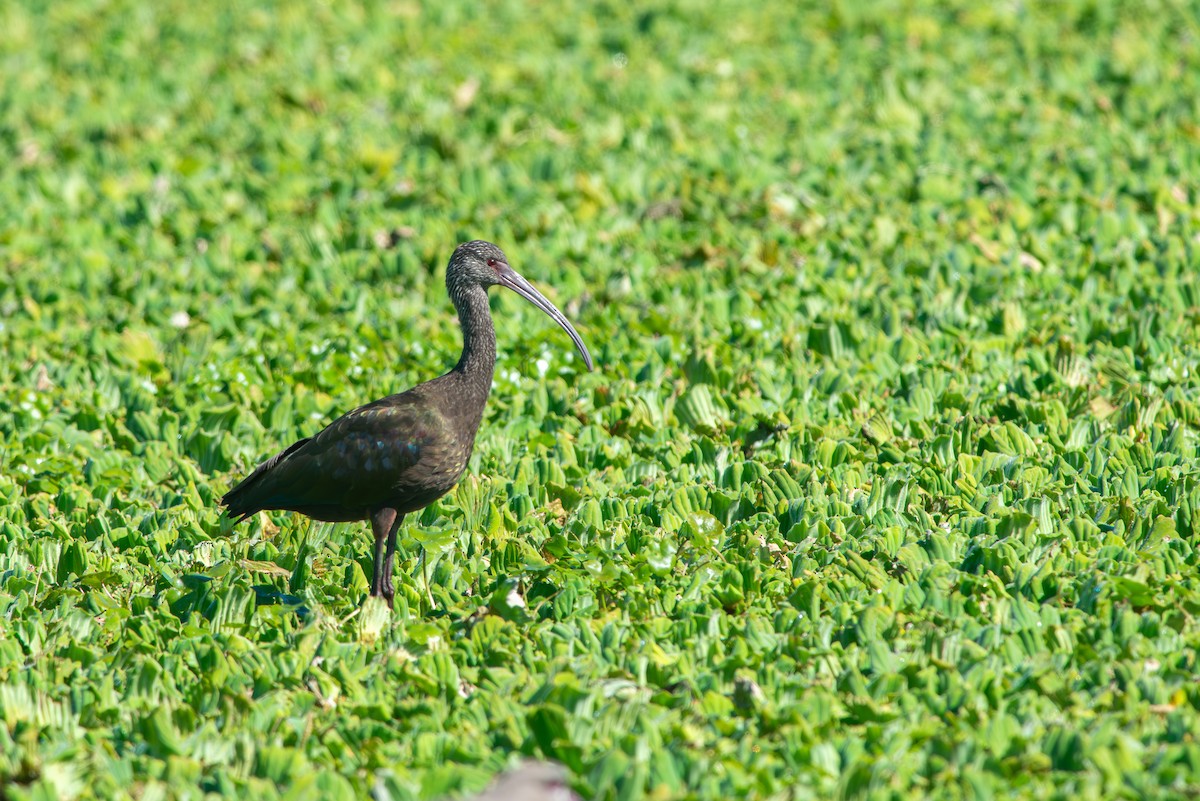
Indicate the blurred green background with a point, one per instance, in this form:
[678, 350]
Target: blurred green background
[883, 487]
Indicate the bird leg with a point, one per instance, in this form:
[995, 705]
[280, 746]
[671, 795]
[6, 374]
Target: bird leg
[383, 522]
[389, 559]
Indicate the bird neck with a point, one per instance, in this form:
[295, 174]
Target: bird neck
[478, 360]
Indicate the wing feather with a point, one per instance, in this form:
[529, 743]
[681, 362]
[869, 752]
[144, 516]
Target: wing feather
[363, 460]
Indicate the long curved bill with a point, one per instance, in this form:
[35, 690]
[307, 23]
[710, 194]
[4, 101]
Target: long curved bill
[514, 281]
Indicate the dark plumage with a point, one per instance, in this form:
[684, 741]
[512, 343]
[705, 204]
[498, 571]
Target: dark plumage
[400, 453]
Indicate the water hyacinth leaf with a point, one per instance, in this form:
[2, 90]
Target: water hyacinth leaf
[73, 561]
[160, 733]
[884, 484]
[704, 530]
[877, 430]
[699, 411]
[568, 496]
[508, 602]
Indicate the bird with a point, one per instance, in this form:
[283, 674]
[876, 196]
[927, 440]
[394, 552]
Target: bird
[398, 454]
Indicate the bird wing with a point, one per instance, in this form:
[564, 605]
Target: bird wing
[358, 463]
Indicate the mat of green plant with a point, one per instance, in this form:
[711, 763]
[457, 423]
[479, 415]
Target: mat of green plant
[886, 485]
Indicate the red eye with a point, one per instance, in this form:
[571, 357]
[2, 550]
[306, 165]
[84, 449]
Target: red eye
[491, 263]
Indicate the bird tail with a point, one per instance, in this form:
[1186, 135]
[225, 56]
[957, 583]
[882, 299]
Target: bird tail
[237, 506]
[244, 500]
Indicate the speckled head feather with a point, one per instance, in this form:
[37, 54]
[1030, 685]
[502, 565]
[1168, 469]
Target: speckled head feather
[475, 263]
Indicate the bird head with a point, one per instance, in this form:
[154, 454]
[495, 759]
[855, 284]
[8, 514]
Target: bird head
[483, 264]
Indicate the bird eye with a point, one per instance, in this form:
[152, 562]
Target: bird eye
[491, 263]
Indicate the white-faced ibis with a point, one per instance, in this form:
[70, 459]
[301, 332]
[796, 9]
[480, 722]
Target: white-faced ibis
[400, 453]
